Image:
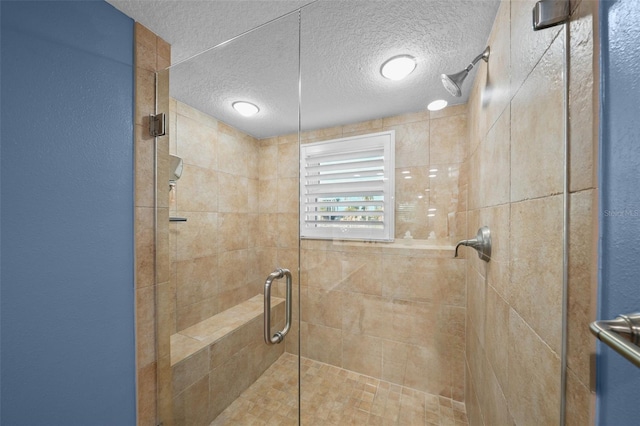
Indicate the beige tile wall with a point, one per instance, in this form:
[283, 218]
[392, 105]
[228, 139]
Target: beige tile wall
[277, 233]
[215, 254]
[153, 291]
[516, 173]
[397, 315]
[394, 314]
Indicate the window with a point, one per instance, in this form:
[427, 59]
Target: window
[347, 188]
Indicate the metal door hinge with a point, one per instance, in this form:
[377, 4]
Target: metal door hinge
[548, 13]
[156, 125]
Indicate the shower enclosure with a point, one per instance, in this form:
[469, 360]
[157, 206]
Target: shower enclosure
[376, 331]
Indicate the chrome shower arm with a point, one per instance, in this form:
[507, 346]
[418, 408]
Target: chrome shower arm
[484, 56]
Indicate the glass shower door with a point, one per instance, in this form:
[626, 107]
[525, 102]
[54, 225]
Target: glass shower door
[231, 180]
[382, 296]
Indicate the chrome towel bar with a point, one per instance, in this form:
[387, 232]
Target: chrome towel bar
[278, 337]
[621, 334]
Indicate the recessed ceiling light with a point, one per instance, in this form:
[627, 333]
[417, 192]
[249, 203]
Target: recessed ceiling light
[398, 67]
[437, 105]
[245, 108]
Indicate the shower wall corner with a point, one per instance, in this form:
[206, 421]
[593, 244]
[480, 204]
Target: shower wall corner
[152, 263]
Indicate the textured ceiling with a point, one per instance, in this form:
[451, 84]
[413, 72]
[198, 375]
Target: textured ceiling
[342, 45]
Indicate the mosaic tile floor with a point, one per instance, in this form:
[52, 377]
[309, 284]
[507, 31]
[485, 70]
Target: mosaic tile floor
[333, 396]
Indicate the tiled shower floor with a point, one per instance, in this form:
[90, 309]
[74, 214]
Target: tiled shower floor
[333, 396]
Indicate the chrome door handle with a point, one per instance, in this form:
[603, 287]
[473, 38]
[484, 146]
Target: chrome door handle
[621, 334]
[278, 337]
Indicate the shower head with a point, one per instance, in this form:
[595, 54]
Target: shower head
[453, 82]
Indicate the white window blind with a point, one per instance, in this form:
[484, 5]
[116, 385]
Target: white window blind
[347, 188]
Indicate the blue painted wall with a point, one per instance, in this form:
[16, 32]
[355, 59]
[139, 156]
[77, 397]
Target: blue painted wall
[66, 246]
[618, 381]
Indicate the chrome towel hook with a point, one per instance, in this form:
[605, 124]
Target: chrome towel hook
[482, 244]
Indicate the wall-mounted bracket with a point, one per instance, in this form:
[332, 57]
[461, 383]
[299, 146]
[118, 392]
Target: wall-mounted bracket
[156, 125]
[621, 334]
[549, 13]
